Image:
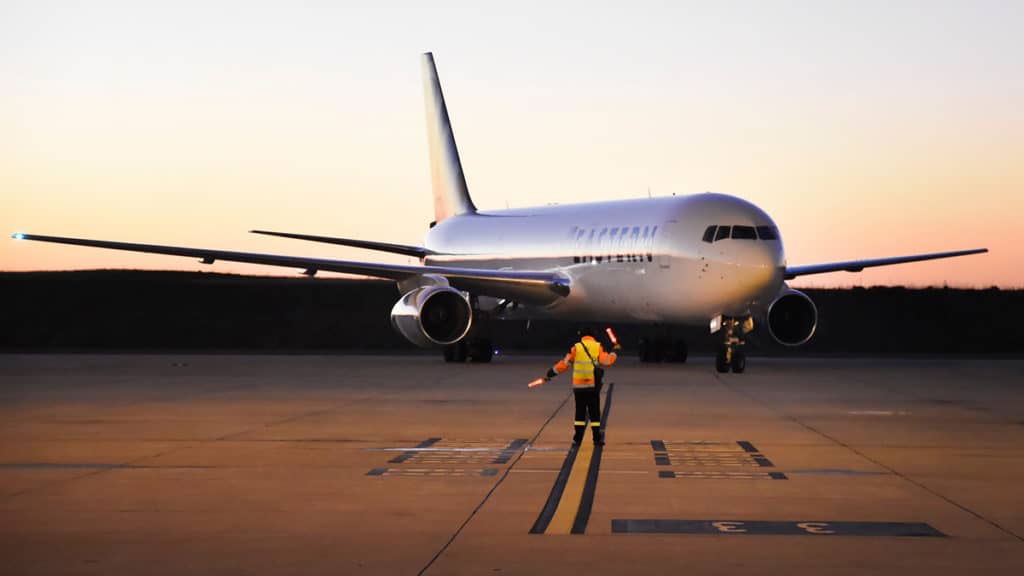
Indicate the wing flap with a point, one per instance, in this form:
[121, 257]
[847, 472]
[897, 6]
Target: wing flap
[528, 286]
[858, 265]
[404, 249]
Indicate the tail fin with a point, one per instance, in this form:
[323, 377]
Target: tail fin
[451, 196]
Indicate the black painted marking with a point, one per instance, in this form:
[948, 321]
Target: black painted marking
[747, 446]
[666, 474]
[517, 444]
[407, 455]
[509, 451]
[775, 528]
[579, 525]
[662, 460]
[777, 476]
[548, 511]
[377, 472]
[763, 462]
[658, 446]
[489, 472]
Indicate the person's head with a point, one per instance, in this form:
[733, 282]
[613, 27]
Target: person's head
[585, 331]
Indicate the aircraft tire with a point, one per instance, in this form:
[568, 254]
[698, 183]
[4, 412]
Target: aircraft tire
[660, 350]
[481, 351]
[644, 350]
[721, 365]
[681, 352]
[459, 351]
[739, 361]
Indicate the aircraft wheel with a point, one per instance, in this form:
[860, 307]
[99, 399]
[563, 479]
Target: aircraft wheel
[660, 350]
[721, 364]
[682, 352]
[644, 350]
[459, 351]
[481, 351]
[739, 361]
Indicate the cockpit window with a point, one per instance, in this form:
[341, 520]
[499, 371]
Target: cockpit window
[709, 234]
[723, 233]
[744, 233]
[767, 233]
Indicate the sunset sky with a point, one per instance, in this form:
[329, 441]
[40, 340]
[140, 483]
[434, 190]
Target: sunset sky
[865, 129]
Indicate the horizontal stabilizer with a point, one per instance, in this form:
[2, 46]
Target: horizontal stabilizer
[403, 249]
[858, 265]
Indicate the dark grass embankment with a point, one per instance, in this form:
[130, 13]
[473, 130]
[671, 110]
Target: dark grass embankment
[151, 311]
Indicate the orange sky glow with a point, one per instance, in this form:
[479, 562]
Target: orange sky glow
[864, 129]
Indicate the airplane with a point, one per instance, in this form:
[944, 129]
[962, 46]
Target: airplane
[706, 259]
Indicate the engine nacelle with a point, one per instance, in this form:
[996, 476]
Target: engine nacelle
[792, 318]
[432, 316]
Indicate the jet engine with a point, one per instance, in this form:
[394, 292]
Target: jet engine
[792, 318]
[432, 316]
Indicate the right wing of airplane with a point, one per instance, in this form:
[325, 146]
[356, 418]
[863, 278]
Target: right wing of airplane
[522, 285]
[858, 265]
[404, 249]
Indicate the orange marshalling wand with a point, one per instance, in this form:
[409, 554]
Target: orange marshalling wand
[611, 335]
[536, 383]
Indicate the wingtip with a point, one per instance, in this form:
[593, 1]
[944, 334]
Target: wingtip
[18, 235]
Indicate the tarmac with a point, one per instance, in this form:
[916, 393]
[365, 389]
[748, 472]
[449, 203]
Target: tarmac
[252, 464]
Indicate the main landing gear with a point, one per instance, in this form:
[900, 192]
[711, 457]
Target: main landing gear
[476, 350]
[730, 354]
[663, 350]
[477, 346]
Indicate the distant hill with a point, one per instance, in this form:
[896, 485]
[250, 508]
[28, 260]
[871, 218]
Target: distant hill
[143, 310]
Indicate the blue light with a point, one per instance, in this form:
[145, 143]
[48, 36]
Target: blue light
[19, 236]
[497, 352]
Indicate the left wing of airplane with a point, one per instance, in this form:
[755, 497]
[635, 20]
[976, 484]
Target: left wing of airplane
[858, 265]
[524, 285]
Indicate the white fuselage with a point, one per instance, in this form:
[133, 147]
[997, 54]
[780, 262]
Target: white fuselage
[642, 260]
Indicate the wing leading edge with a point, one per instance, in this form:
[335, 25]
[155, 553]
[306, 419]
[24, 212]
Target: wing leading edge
[858, 265]
[527, 286]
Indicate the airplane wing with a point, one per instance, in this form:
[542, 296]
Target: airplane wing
[858, 265]
[527, 286]
[403, 249]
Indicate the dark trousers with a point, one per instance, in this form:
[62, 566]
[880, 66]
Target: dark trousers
[588, 404]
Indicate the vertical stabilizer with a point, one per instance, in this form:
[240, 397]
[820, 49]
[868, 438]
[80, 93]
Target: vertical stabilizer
[451, 196]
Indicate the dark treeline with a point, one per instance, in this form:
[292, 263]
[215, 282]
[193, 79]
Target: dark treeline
[133, 310]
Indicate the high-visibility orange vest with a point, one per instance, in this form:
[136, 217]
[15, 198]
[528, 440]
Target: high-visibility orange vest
[582, 365]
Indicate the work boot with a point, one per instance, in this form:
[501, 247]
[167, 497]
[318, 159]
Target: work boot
[598, 438]
[578, 436]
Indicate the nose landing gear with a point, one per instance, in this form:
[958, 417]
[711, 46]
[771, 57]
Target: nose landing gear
[730, 354]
